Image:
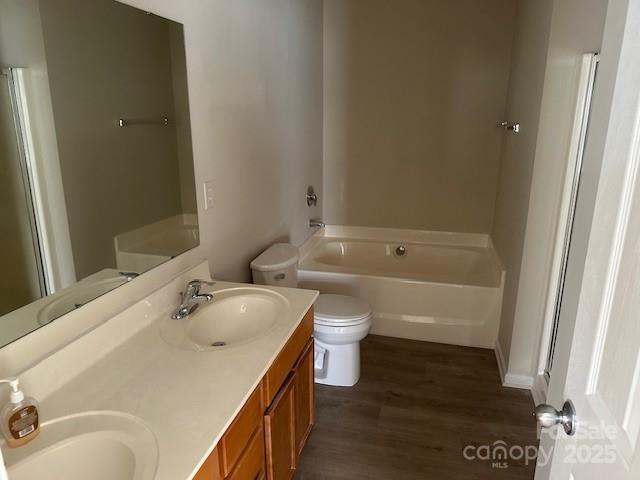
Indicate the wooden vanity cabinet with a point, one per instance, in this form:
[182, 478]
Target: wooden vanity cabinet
[280, 433]
[239, 434]
[251, 464]
[210, 470]
[266, 438]
[305, 403]
[289, 419]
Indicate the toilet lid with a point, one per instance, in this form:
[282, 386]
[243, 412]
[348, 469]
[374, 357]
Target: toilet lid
[340, 309]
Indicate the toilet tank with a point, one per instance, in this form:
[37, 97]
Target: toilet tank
[277, 265]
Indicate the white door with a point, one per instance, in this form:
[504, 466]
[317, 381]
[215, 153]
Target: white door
[598, 368]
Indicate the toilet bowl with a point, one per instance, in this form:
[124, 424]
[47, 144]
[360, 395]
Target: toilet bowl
[340, 321]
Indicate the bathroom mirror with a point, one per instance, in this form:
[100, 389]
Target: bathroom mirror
[96, 167]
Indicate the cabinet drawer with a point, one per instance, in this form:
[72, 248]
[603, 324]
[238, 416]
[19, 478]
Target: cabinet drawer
[241, 430]
[287, 358]
[210, 470]
[250, 465]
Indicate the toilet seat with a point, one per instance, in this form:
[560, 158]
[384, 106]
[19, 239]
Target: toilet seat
[329, 323]
[340, 310]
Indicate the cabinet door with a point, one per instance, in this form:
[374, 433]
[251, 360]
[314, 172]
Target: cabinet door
[304, 396]
[280, 433]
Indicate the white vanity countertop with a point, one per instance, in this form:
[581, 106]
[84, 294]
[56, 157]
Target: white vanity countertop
[187, 398]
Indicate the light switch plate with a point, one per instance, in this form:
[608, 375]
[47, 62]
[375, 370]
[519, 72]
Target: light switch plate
[208, 194]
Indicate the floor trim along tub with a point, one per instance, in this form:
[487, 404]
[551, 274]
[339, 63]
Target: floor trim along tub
[435, 286]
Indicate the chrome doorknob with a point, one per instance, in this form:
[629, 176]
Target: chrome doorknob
[547, 416]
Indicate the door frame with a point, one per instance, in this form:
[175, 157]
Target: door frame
[567, 206]
[27, 184]
[43, 180]
[613, 163]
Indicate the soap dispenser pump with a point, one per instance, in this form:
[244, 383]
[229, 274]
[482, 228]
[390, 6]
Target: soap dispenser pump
[20, 417]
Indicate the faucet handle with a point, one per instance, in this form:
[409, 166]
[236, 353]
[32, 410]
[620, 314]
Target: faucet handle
[199, 283]
[194, 286]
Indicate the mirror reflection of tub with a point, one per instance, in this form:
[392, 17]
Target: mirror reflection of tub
[151, 245]
[440, 287]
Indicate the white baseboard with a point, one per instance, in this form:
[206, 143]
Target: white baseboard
[518, 381]
[539, 390]
[510, 379]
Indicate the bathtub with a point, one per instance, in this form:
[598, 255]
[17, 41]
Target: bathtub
[434, 286]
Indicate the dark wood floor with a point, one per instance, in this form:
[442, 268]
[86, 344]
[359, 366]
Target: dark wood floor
[416, 407]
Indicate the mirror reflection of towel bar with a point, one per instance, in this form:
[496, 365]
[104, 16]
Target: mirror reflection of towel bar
[122, 122]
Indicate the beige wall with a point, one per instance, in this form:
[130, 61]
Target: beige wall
[413, 90]
[576, 28]
[115, 180]
[182, 121]
[533, 24]
[255, 92]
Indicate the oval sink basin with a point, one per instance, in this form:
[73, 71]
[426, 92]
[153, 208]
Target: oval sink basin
[100, 446]
[234, 316]
[77, 296]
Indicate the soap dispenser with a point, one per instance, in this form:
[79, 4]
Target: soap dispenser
[20, 420]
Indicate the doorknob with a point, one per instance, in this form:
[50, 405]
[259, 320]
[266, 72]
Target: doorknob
[547, 416]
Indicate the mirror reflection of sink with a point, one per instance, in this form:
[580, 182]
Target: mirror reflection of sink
[234, 316]
[99, 446]
[76, 296]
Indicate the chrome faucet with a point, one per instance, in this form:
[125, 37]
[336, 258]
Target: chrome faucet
[192, 298]
[129, 275]
[314, 223]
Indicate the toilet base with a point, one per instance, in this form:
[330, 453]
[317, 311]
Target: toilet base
[341, 366]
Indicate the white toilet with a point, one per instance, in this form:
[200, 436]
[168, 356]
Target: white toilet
[340, 321]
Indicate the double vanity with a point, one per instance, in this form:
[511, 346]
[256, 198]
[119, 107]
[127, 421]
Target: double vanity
[224, 393]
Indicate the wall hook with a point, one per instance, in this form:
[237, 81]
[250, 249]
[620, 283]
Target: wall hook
[514, 127]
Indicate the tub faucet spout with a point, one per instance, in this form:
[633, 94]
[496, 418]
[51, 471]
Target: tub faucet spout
[314, 223]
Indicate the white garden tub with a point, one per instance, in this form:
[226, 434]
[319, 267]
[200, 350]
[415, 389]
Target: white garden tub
[445, 287]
